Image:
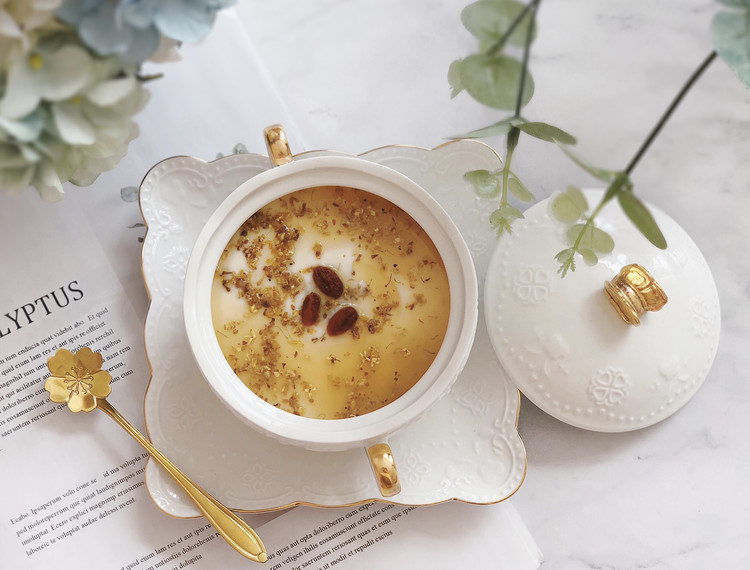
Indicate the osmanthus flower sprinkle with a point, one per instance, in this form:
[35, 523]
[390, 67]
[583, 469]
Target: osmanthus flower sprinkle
[77, 379]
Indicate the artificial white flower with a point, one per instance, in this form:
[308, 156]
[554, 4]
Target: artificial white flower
[97, 124]
[19, 18]
[70, 84]
[72, 139]
[44, 75]
[91, 165]
[167, 52]
[76, 118]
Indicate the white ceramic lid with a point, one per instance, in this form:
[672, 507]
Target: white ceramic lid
[565, 346]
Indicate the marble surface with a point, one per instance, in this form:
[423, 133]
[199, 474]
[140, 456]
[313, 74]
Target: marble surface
[360, 74]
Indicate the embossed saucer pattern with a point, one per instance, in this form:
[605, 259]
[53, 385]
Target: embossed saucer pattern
[466, 448]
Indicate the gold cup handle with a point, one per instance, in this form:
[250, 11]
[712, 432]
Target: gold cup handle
[384, 468]
[277, 145]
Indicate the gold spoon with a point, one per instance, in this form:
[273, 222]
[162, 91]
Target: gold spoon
[78, 380]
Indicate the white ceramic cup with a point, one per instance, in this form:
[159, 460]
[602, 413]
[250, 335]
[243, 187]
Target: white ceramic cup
[373, 427]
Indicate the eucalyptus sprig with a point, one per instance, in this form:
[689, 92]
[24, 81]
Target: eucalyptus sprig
[493, 76]
[621, 187]
[496, 77]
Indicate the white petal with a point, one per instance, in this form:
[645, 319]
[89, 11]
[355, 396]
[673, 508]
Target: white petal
[25, 130]
[16, 180]
[30, 154]
[65, 72]
[110, 92]
[23, 90]
[47, 4]
[39, 13]
[109, 139]
[167, 51]
[103, 31]
[91, 167]
[48, 183]
[72, 125]
[119, 112]
[138, 14]
[11, 157]
[8, 26]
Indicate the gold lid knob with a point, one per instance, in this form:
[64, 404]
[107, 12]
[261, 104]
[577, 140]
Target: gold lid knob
[634, 291]
[277, 144]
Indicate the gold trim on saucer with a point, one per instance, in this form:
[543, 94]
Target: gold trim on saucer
[373, 499]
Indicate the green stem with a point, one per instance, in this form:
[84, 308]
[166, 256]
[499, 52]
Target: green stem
[611, 192]
[151, 77]
[526, 51]
[511, 143]
[668, 113]
[515, 132]
[622, 180]
[498, 45]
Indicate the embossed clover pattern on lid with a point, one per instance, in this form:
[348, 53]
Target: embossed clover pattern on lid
[563, 342]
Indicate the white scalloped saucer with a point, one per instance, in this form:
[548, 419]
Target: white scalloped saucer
[466, 448]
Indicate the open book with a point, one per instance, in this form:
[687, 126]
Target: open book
[74, 484]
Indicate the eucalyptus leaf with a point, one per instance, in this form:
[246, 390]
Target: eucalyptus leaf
[502, 218]
[571, 236]
[590, 237]
[621, 184]
[486, 184]
[589, 257]
[520, 191]
[600, 173]
[499, 223]
[577, 196]
[547, 133]
[735, 3]
[494, 81]
[496, 129]
[601, 241]
[641, 218]
[454, 79]
[567, 260]
[510, 212]
[490, 20]
[565, 209]
[730, 33]
[564, 255]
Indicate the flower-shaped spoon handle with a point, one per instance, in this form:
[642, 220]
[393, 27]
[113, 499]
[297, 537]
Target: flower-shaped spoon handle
[78, 380]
